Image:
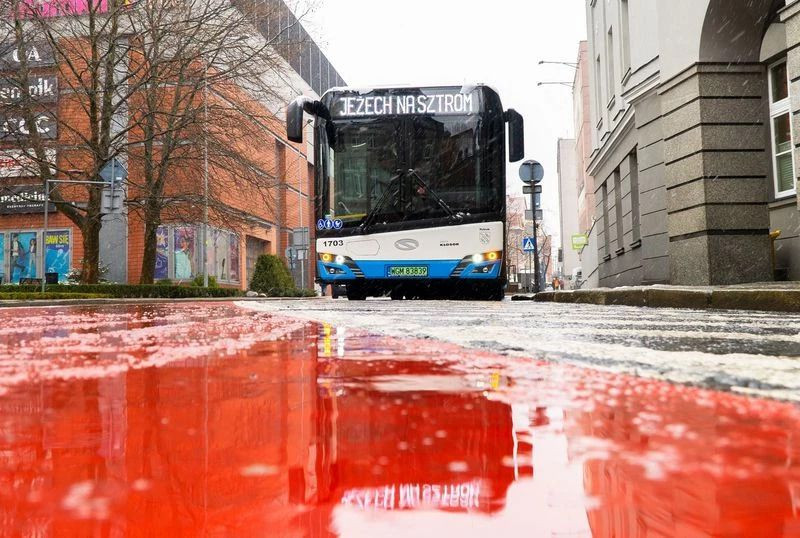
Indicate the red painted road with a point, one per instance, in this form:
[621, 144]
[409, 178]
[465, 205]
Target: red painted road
[208, 419]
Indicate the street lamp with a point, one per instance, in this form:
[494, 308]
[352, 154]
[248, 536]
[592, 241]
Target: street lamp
[573, 65]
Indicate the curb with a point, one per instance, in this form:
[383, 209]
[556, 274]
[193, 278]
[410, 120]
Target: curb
[701, 299]
[95, 302]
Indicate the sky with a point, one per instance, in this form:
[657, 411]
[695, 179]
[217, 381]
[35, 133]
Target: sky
[496, 42]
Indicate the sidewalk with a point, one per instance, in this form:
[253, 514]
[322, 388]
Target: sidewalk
[767, 296]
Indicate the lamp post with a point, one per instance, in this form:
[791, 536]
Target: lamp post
[205, 173]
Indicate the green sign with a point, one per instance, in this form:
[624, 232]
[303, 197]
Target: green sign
[579, 241]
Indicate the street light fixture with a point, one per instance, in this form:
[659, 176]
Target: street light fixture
[573, 65]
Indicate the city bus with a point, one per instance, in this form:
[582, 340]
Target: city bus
[410, 189]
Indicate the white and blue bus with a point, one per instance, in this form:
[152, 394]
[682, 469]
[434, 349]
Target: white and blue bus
[411, 189]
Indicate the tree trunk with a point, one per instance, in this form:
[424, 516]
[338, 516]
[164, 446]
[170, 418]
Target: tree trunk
[152, 220]
[90, 269]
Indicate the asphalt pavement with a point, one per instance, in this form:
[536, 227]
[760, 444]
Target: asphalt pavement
[746, 352]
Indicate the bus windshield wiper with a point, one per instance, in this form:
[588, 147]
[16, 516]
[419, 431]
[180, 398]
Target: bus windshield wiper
[439, 200]
[373, 214]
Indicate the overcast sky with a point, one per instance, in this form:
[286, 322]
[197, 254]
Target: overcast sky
[497, 42]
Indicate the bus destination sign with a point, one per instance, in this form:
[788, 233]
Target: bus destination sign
[435, 103]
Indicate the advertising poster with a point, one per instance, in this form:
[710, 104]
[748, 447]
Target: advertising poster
[221, 255]
[234, 259]
[184, 253]
[23, 256]
[162, 253]
[3, 279]
[56, 254]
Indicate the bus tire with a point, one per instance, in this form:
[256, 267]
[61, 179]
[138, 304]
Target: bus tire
[356, 294]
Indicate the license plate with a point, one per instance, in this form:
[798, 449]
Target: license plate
[408, 271]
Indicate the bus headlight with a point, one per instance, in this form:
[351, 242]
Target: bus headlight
[487, 257]
[327, 258]
[340, 259]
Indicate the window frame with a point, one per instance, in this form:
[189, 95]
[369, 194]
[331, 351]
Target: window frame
[776, 110]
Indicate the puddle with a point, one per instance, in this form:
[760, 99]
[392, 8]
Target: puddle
[207, 419]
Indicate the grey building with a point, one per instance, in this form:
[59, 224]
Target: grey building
[695, 114]
[568, 205]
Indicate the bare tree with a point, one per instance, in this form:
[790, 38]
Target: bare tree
[173, 88]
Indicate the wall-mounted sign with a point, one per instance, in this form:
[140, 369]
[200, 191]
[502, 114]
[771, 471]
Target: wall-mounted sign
[22, 163]
[579, 241]
[38, 54]
[41, 88]
[24, 199]
[422, 102]
[15, 126]
[62, 8]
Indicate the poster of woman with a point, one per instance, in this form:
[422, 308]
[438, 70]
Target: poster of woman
[23, 256]
[184, 253]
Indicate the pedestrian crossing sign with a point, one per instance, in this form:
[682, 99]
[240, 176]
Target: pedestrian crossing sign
[528, 245]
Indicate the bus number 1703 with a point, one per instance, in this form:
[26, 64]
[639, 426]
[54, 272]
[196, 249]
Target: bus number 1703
[335, 243]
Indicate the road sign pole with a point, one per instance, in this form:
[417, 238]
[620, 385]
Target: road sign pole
[537, 285]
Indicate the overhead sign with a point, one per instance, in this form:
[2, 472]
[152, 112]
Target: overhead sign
[41, 88]
[421, 102]
[528, 245]
[15, 126]
[25, 199]
[19, 163]
[38, 54]
[579, 241]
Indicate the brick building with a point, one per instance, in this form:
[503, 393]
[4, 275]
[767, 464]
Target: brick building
[255, 224]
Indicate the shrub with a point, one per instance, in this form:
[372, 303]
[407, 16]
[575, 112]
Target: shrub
[154, 291]
[48, 296]
[271, 276]
[198, 281]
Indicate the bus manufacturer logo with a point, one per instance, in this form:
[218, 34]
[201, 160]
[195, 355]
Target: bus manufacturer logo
[407, 244]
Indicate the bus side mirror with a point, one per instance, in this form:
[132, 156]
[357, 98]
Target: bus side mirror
[294, 118]
[516, 135]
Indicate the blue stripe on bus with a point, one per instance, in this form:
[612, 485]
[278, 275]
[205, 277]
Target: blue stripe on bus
[377, 270]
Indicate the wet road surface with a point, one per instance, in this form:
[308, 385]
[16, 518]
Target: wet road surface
[217, 420]
[754, 353]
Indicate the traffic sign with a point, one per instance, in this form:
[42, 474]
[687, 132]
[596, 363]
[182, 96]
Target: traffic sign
[531, 189]
[528, 245]
[114, 171]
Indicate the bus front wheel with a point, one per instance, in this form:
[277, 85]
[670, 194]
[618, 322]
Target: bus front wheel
[355, 293]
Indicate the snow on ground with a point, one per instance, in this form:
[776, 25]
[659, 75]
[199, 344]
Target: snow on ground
[748, 352]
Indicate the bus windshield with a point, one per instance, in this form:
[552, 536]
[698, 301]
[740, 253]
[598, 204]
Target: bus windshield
[400, 169]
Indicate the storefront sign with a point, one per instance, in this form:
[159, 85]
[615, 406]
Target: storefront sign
[26, 199]
[36, 55]
[60, 8]
[19, 163]
[15, 126]
[41, 88]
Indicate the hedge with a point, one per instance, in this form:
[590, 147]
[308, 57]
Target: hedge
[131, 291]
[48, 296]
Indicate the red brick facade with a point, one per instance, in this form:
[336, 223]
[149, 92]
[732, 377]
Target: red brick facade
[289, 204]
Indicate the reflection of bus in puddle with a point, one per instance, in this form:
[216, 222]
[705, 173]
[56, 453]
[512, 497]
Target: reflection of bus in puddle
[398, 448]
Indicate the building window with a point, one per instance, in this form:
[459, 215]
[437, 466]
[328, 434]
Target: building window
[618, 212]
[598, 90]
[20, 256]
[606, 231]
[179, 254]
[626, 38]
[610, 77]
[636, 228]
[781, 130]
